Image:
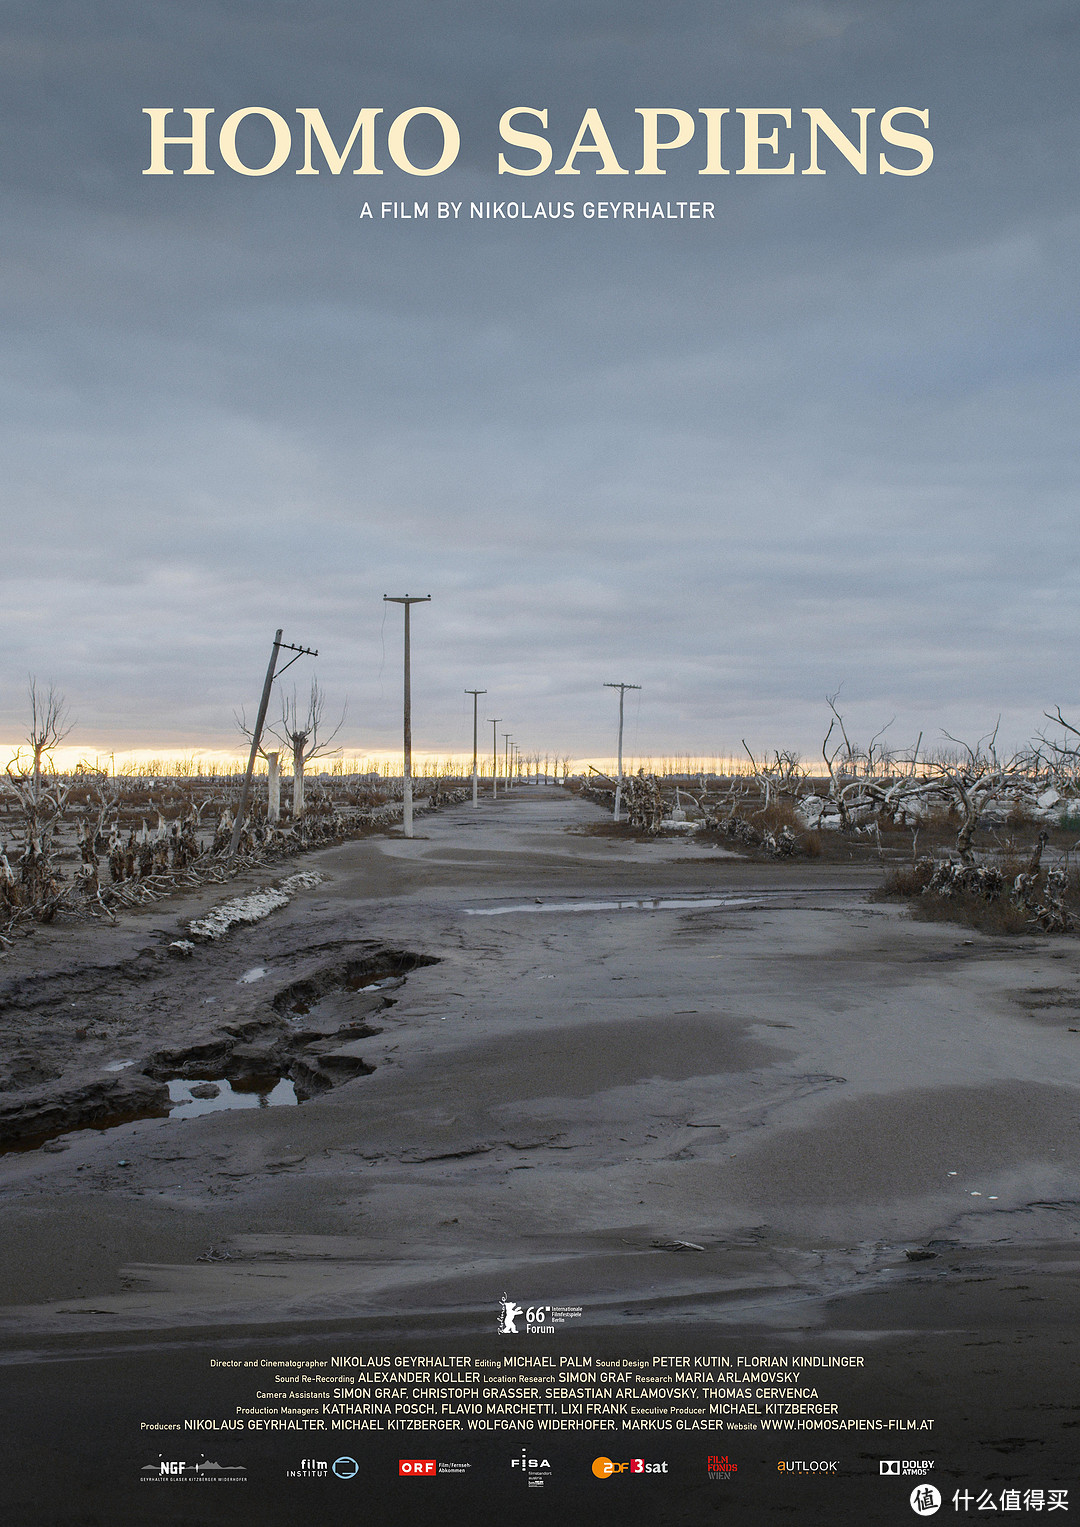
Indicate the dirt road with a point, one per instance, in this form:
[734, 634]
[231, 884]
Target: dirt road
[673, 1088]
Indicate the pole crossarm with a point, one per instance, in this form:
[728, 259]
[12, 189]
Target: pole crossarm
[300, 652]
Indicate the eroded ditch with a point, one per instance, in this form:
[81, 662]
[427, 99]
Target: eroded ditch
[298, 1043]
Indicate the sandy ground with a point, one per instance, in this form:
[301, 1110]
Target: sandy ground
[864, 1127]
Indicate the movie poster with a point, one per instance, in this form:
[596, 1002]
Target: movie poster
[658, 1103]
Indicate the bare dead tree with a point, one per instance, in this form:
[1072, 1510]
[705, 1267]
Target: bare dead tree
[34, 884]
[304, 734]
[783, 777]
[870, 779]
[1061, 760]
[49, 725]
[971, 779]
[843, 750]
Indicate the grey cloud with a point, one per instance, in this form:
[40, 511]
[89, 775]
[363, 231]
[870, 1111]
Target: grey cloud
[829, 437]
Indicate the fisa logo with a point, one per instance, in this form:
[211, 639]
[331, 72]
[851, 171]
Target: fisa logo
[535, 1471]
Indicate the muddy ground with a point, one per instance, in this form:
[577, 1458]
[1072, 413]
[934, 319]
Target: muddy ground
[679, 1089]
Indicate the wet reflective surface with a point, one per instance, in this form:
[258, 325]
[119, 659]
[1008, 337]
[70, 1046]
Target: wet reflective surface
[263, 1092]
[642, 904]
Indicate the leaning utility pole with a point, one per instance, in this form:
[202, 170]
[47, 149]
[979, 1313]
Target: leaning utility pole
[408, 600]
[474, 693]
[494, 720]
[622, 688]
[256, 736]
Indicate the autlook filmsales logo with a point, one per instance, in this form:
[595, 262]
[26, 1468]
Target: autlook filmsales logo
[808, 1465]
[604, 1468]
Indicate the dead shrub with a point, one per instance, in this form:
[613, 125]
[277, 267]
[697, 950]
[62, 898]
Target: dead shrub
[904, 881]
[1012, 896]
[1002, 916]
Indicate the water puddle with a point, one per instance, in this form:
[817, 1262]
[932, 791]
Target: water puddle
[250, 1092]
[641, 904]
[284, 1070]
[381, 972]
[303, 1004]
[253, 1092]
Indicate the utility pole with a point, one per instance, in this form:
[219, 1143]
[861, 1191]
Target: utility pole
[408, 600]
[622, 688]
[494, 720]
[506, 758]
[256, 736]
[474, 693]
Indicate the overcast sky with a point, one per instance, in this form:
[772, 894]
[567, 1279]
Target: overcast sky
[828, 438]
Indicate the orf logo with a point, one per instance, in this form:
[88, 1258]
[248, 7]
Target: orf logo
[416, 1466]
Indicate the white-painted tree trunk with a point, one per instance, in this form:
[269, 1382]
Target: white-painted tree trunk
[273, 787]
[298, 781]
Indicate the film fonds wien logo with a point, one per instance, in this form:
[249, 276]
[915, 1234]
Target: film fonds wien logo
[722, 1467]
[604, 1468]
